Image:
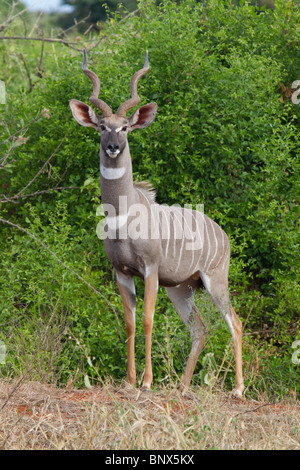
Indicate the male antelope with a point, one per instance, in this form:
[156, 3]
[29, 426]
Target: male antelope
[182, 248]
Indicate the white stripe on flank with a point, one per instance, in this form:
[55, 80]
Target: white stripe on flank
[222, 252]
[167, 246]
[192, 239]
[201, 238]
[182, 242]
[216, 241]
[115, 223]
[112, 173]
[174, 235]
[222, 242]
[225, 255]
[208, 251]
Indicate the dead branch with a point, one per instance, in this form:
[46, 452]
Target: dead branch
[31, 86]
[39, 71]
[42, 168]
[61, 41]
[11, 16]
[8, 222]
[74, 25]
[37, 193]
[107, 35]
[254, 409]
[22, 129]
[4, 159]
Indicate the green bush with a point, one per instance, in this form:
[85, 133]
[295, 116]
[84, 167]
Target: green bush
[224, 136]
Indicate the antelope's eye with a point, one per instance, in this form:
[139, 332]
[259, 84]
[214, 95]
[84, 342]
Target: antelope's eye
[124, 128]
[102, 127]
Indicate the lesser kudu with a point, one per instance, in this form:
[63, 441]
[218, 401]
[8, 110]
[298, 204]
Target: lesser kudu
[174, 247]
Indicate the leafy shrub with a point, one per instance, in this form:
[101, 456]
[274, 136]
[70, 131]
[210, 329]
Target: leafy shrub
[224, 136]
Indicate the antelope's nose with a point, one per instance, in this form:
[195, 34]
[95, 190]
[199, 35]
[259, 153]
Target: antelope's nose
[113, 147]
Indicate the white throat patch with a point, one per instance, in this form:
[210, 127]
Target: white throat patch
[112, 173]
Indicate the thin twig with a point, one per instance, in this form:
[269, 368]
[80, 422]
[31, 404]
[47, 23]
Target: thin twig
[39, 72]
[74, 25]
[27, 72]
[253, 409]
[4, 159]
[3, 25]
[10, 18]
[61, 41]
[36, 22]
[62, 263]
[43, 167]
[107, 35]
[37, 193]
[22, 129]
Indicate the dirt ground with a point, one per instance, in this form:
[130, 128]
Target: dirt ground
[38, 416]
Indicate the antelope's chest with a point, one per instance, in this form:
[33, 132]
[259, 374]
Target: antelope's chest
[130, 256]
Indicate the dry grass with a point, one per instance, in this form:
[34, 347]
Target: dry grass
[37, 416]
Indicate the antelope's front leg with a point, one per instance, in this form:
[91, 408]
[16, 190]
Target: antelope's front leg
[127, 291]
[151, 286]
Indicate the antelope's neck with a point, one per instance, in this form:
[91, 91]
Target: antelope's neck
[116, 180]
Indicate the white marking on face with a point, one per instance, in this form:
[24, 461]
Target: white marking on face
[112, 173]
[105, 128]
[119, 129]
[113, 154]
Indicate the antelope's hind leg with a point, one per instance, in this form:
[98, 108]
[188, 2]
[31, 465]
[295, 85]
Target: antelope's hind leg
[217, 286]
[127, 291]
[182, 297]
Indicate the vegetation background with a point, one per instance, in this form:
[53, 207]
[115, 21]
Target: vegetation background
[226, 136]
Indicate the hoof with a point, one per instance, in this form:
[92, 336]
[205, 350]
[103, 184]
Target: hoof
[145, 389]
[183, 389]
[237, 393]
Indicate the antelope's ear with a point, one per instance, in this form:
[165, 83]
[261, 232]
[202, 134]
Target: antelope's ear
[143, 116]
[84, 114]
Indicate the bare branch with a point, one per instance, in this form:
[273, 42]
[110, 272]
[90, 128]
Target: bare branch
[31, 86]
[4, 160]
[61, 41]
[36, 22]
[3, 25]
[42, 168]
[107, 36]
[61, 262]
[40, 70]
[11, 17]
[22, 129]
[37, 193]
[74, 25]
